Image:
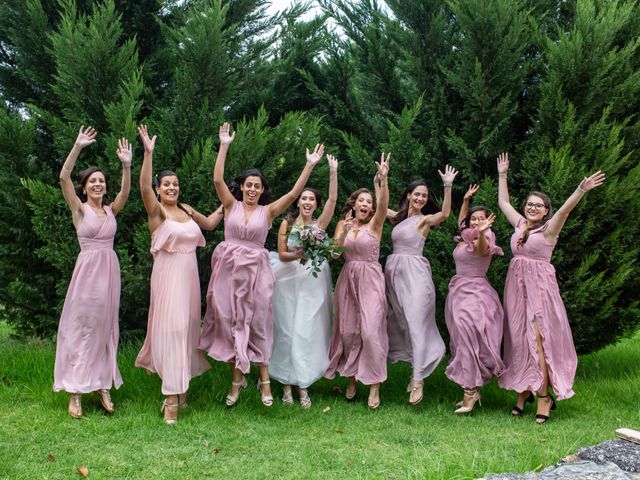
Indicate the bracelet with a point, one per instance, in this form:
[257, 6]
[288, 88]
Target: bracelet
[445, 185]
[582, 190]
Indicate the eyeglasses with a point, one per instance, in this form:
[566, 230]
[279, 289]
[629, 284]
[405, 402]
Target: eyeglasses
[537, 206]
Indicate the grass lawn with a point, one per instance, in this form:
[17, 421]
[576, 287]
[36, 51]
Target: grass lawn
[39, 440]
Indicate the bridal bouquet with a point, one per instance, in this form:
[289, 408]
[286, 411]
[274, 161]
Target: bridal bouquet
[316, 246]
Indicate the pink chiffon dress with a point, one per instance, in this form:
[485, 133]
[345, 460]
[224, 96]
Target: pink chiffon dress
[411, 318]
[173, 327]
[532, 297]
[359, 342]
[238, 325]
[474, 315]
[87, 341]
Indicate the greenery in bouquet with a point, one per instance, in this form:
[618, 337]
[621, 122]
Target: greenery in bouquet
[315, 245]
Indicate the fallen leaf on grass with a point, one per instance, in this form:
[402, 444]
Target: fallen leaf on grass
[216, 450]
[339, 431]
[352, 461]
[326, 409]
[84, 471]
[336, 389]
[51, 458]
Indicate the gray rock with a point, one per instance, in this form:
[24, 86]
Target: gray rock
[621, 452]
[584, 470]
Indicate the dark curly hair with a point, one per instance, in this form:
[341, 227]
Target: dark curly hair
[234, 187]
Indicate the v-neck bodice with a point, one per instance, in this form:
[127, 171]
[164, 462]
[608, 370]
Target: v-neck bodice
[94, 232]
[254, 231]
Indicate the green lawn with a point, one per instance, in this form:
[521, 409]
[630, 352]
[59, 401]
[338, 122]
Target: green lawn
[39, 440]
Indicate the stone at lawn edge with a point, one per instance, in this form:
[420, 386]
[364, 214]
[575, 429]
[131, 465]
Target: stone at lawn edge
[583, 470]
[621, 452]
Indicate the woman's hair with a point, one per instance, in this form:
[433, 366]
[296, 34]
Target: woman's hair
[351, 202]
[467, 220]
[234, 187]
[158, 180]
[294, 211]
[429, 208]
[547, 203]
[83, 178]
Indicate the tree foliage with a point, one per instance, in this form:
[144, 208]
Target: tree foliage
[555, 83]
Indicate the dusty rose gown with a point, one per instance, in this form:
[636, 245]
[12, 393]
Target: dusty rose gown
[411, 320]
[359, 342]
[87, 341]
[531, 296]
[474, 315]
[173, 328]
[238, 326]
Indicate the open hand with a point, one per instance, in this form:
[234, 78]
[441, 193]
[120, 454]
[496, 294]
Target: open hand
[473, 188]
[314, 157]
[226, 138]
[503, 162]
[124, 152]
[486, 223]
[148, 142]
[86, 136]
[595, 180]
[449, 175]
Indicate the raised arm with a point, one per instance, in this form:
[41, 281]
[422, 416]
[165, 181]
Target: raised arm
[279, 206]
[342, 230]
[429, 221]
[391, 214]
[124, 154]
[481, 245]
[560, 217]
[464, 209]
[151, 204]
[224, 194]
[205, 223]
[503, 191]
[283, 250]
[382, 199]
[330, 204]
[86, 137]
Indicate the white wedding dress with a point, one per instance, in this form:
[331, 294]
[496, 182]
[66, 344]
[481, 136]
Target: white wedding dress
[302, 309]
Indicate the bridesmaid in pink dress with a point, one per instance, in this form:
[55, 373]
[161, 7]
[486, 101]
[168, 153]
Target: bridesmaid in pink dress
[473, 311]
[238, 326]
[173, 326]
[87, 341]
[359, 342]
[411, 322]
[538, 346]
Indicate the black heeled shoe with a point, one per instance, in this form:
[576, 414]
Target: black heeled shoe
[544, 418]
[516, 411]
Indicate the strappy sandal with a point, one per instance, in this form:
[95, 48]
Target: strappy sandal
[170, 410]
[305, 399]
[540, 418]
[351, 394]
[516, 411]
[287, 395]
[267, 400]
[75, 405]
[474, 395]
[416, 387]
[105, 400]
[232, 399]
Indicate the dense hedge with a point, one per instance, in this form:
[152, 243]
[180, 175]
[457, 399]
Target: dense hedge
[555, 83]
